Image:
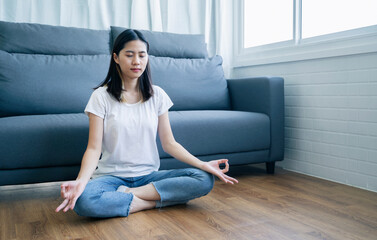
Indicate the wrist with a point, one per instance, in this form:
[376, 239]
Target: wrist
[201, 165]
[82, 180]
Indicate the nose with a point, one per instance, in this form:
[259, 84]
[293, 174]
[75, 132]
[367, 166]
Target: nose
[136, 60]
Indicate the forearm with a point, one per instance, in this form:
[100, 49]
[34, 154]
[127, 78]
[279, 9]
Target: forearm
[177, 151]
[88, 164]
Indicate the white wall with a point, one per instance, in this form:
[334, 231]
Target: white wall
[331, 116]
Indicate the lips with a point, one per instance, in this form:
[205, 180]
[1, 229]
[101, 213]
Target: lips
[135, 70]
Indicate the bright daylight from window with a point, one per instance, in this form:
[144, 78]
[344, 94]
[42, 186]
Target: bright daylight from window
[271, 21]
[267, 21]
[321, 17]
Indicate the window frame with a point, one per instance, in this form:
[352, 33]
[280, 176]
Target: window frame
[349, 42]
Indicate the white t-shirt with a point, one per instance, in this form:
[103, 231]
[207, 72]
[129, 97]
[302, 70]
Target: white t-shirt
[129, 146]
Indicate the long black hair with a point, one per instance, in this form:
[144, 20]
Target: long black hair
[113, 80]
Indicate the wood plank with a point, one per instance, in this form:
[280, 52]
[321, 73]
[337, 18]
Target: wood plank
[283, 206]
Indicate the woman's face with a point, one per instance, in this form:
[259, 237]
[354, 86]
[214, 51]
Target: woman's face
[132, 59]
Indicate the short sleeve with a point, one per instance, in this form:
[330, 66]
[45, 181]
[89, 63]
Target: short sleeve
[96, 104]
[164, 101]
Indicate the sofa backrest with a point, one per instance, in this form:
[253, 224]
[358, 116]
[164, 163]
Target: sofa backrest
[48, 69]
[163, 44]
[33, 38]
[51, 69]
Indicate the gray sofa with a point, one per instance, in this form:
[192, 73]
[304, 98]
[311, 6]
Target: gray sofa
[47, 74]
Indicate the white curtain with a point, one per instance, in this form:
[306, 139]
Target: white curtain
[213, 18]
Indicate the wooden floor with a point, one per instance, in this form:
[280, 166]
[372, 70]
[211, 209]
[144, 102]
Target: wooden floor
[282, 206]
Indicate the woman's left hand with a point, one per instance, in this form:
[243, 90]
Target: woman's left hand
[214, 168]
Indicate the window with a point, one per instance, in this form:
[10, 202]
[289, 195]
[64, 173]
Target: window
[272, 21]
[321, 17]
[267, 21]
[272, 31]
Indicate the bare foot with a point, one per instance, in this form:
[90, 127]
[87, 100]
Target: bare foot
[146, 192]
[123, 188]
[140, 204]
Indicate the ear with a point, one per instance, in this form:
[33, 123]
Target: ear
[116, 59]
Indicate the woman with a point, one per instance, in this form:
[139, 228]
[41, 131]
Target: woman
[125, 113]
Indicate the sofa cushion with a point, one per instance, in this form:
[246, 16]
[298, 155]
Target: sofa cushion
[165, 44]
[239, 158]
[192, 84]
[43, 140]
[44, 84]
[217, 132]
[45, 39]
[60, 140]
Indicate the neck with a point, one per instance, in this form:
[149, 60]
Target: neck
[131, 93]
[131, 85]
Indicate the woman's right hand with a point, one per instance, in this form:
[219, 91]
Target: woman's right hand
[70, 191]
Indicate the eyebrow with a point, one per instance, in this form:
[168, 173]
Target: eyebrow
[130, 51]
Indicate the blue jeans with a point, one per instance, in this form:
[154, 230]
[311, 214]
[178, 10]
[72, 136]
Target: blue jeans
[178, 186]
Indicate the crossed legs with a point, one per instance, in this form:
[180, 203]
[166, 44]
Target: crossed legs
[102, 198]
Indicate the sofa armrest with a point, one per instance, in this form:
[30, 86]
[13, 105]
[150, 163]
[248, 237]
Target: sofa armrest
[263, 95]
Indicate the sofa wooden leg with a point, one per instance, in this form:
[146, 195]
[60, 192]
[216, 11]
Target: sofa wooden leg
[270, 167]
